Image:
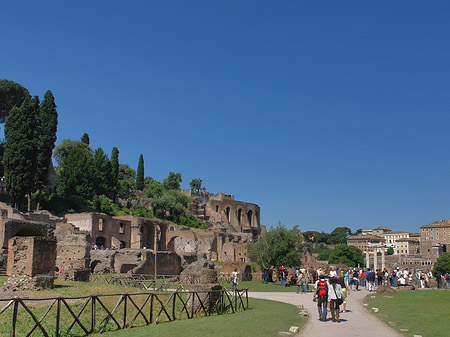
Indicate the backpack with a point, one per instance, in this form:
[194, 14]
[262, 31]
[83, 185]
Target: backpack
[447, 277]
[323, 288]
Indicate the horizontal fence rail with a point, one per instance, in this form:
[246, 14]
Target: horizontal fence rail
[81, 316]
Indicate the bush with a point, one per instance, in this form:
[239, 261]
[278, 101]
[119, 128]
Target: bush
[442, 264]
[190, 221]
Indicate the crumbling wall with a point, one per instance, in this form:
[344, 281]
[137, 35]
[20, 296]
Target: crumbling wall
[73, 247]
[31, 262]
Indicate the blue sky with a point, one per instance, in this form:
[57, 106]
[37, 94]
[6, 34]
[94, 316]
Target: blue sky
[331, 113]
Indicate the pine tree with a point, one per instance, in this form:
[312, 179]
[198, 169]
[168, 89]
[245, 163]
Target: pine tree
[140, 174]
[47, 126]
[20, 158]
[85, 139]
[115, 170]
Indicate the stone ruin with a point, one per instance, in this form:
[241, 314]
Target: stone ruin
[73, 248]
[31, 263]
[135, 261]
[208, 289]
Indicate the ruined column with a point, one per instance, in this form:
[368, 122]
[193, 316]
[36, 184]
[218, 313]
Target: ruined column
[367, 259]
[382, 259]
[375, 259]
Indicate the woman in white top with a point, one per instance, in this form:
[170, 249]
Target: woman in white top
[334, 294]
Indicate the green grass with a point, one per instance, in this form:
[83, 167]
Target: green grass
[263, 318]
[258, 286]
[422, 312]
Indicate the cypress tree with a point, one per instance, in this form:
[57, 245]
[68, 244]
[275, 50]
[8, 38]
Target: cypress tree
[47, 127]
[140, 174]
[20, 157]
[115, 170]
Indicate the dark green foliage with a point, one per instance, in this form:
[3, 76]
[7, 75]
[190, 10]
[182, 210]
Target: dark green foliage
[75, 173]
[170, 205]
[189, 221]
[280, 246]
[173, 181]
[20, 158]
[63, 149]
[339, 235]
[103, 174]
[11, 95]
[442, 264]
[390, 251]
[85, 139]
[351, 256]
[196, 184]
[47, 127]
[141, 211]
[152, 188]
[324, 254]
[115, 170]
[140, 174]
[103, 204]
[316, 237]
[126, 184]
[2, 151]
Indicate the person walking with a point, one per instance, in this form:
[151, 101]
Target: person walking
[321, 295]
[438, 277]
[345, 288]
[370, 278]
[447, 280]
[300, 283]
[334, 296]
[234, 279]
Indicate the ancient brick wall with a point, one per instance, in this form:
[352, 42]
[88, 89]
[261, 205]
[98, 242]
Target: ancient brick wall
[31, 255]
[73, 247]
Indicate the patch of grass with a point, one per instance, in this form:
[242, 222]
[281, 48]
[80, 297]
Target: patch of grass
[258, 286]
[263, 318]
[422, 312]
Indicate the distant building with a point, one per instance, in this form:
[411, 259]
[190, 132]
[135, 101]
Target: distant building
[364, 242]
[435, 238]
[391, 238]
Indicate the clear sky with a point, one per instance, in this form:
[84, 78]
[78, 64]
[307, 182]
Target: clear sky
[324, 113]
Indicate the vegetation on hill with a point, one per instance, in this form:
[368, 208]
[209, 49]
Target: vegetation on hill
[88, 180]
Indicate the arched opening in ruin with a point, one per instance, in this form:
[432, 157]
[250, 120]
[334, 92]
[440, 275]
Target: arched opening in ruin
[148, 237]
[239, 215]
[255, 234]
[100, 242]
[249, 217]
[171, 244]
[29, 231]
[444, 248]
[162, 237]
[228, 214]
[123, 244]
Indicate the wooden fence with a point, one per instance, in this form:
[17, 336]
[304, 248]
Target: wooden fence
[81, 316]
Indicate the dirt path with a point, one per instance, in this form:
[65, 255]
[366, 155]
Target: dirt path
[357, 322]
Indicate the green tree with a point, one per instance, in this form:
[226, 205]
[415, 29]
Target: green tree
[442, 264]
[170, 205]
[140, 174]
[339, 235]
[196, 184]
[75, 174]
[152, 187]
[127, 184]
[63, 149]
[47, 127]
[85, 139]
[115, 170]
[11, 95]
[173, 181]
[315, 237]
[280, 246]
[351, 256]
[390, 251]
[102, 173]
[20, 157]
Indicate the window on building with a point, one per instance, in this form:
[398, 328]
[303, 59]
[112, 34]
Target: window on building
[121, 228]
[100, 225]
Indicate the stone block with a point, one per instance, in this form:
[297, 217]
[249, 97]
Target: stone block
[284, 334]
[294, 329]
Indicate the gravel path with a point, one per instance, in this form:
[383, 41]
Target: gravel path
[356, 322]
